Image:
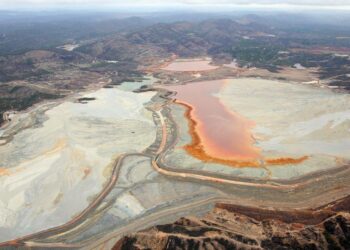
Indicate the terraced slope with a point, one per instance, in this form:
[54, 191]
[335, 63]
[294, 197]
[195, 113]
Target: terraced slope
[235, 227]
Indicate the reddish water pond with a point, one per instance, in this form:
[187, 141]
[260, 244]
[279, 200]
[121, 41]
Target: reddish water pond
[218, 134]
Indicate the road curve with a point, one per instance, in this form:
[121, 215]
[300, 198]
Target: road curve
[76, 220]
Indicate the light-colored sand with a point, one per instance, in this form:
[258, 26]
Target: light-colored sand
[55, 168]
[69, 47]
[292, 117]
[139, 192]
[131, 86]
[232, 65]
[294, 120]
[190, 65]
[288, 73]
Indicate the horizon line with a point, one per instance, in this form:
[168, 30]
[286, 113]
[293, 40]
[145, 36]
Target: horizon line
[167, 7]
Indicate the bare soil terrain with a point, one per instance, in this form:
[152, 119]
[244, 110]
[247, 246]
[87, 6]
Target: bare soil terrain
[231, 227]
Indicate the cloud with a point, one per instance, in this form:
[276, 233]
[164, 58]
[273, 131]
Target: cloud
[268, 2]
[85, 3]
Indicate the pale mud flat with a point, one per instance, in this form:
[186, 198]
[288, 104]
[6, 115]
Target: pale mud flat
[294, 120]
[131, 86]
[232, 65]
[141, 198]
[51, 171]
[291, 120]
[190, 65]
[69, 47]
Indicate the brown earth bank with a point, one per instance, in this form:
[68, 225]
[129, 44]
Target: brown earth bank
[231, 226]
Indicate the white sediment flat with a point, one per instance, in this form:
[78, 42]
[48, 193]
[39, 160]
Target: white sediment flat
[190, 65]
[54, 169]
[294, 120]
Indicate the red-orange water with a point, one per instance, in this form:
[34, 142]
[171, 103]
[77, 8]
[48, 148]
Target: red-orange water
[223, 134]
[218, 134]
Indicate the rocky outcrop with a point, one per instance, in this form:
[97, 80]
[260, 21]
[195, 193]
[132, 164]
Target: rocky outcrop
[235, 227]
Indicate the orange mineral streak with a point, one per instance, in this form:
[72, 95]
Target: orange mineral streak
[218, 134]
[4, 171]
[196, 148]
[284, 161]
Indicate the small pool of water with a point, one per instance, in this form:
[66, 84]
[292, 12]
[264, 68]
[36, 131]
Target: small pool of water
[216, 131]
[131, 86]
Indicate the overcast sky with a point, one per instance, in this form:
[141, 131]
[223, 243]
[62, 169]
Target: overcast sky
[180, 3]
